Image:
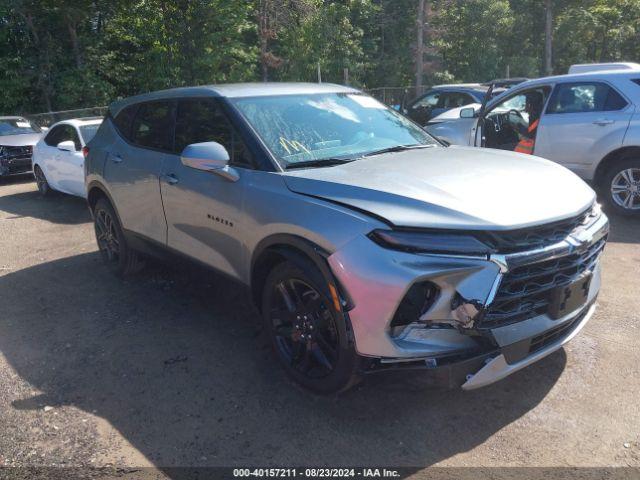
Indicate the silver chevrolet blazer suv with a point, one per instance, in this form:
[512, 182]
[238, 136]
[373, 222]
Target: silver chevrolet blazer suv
[365, 243]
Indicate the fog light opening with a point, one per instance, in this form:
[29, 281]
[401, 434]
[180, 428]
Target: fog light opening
[418, 300]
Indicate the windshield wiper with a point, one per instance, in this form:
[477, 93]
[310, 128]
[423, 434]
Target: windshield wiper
[321, 162]
[398, 148]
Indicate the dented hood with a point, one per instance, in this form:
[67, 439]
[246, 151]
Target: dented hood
[455, 187]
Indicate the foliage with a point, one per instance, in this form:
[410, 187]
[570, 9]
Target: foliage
[63, 54]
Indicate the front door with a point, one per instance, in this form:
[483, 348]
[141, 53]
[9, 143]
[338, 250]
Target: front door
[70, 165]
[513, 124]
[133, 166]
[582, 123]
[203, 209]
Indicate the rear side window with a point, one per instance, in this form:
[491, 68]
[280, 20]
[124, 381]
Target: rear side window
[203, 120]
[153, 126]
[585, 97]
[123, 120]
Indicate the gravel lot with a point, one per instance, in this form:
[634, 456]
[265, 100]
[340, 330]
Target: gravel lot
[166, 370]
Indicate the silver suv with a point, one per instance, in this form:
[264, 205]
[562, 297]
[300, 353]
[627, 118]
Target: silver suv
[587, 121]
[366, 244]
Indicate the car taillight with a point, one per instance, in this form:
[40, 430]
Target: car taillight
[85, 151]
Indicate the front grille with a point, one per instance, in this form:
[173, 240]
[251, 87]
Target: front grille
[551, 336]
[539, 236]
[16, 159]
[525, 291]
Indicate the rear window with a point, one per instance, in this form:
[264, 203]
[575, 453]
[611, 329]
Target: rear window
[89, 131]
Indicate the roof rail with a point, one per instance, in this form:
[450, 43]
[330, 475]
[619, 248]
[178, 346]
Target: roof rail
[601, 67]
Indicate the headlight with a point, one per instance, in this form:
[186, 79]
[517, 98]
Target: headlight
[430, 242]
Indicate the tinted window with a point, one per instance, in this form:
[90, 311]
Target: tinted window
[62, 133]
[53, 137]
[123, 120]
[153, 125]
[430, 100]
[202, 120]
[89, 131]
[456, 99]
[585, 97]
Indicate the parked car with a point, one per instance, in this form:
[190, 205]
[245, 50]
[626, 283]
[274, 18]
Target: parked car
[17, 138]
[442, 98]
[588, 122]
[365, 243]
[58, 158]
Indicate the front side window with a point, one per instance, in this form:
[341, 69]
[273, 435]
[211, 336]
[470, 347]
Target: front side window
[153, 126]
[303, 128]
[55, 136]
[202, 120]
[585, 97]
[17, 126]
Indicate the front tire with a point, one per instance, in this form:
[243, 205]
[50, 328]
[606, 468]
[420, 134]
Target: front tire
[121, 259]
[308, 335]
[41, 181]
[621, 187]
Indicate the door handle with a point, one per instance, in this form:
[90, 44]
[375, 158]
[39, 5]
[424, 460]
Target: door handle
[169, 178]
[602, 122]
[115, 157]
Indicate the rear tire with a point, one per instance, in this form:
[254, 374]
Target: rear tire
[309, 337]
[121, 259]
[41, 181]
[621, 187]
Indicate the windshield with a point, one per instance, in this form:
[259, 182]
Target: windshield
[304, 128]
[88, 132]
[17, 126]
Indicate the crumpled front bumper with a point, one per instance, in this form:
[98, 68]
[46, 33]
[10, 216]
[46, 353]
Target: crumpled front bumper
[377, 279]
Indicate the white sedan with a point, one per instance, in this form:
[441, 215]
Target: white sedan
[58, 158]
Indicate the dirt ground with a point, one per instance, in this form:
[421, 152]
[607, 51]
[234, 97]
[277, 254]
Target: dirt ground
[166, 370]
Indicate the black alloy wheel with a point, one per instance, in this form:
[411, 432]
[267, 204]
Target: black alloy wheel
[41, 181]
[308, 334]
[112, 244]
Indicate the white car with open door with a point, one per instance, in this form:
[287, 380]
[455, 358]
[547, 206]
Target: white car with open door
[588, 121]
[58, 158]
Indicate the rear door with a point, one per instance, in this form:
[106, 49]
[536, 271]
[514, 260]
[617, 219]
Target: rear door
[203, 209]
[583, 122]
[134, 163]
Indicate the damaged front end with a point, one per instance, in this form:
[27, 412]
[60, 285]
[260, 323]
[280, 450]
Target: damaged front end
[473, 309]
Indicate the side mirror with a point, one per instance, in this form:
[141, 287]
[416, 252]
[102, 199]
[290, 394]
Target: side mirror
[209, 157]
[468, 112]
[67, 146]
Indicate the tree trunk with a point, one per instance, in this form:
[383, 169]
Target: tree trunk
[263, 33]
[75, 46]
[548, 38]
[43, 60]
[420, 46]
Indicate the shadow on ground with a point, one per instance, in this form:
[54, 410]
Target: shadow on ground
[624, 229]
[173, 361]
[55, 207]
